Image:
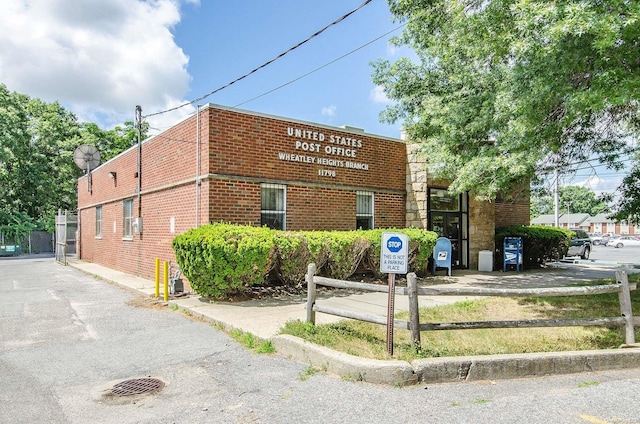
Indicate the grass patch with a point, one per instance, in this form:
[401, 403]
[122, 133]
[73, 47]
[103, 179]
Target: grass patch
[252, 342]
[588, 384]
[369, 340]
[307, 373]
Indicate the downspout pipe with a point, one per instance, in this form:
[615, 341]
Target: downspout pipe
[139, 128]
[198, 166]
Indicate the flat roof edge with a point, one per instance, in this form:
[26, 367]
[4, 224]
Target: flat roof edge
[346, 128]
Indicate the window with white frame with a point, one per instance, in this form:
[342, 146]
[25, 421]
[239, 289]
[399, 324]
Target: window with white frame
[127, 218]
[624, 228]
[273, 200]
[98, 221]
[364, 210]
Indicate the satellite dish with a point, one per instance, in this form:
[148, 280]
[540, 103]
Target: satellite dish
[87, 157]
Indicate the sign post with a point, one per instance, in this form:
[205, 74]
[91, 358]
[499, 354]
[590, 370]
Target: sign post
[393, 260]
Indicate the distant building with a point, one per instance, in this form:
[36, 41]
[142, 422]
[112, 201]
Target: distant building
[603, 225]
[544, 220]
[574, 220]
[598, 224]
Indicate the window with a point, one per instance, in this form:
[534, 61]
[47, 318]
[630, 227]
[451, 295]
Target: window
[441, 200]
[127, 219]
[273, 199]
[624, 228]
[98, 221]
[364, 210]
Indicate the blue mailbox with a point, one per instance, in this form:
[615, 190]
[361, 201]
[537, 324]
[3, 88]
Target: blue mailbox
[442, 255]
[512, 249]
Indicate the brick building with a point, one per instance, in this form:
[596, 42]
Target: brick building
[224, 164]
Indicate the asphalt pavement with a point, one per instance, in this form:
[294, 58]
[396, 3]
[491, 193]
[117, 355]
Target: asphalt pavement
[264, 319]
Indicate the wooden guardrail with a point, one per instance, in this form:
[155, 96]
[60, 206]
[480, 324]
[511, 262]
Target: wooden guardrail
[622, 287]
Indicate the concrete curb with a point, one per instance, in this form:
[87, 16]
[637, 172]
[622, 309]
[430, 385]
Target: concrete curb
[454, 369]
[347, 366]
[500, 367]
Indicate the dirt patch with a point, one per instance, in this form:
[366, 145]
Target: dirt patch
[147, 302]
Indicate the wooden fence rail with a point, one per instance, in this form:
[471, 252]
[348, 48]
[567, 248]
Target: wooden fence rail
[622, 287]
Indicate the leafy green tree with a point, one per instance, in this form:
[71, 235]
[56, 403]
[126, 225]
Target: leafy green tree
[112, 142]
[37, 172]
[34, 172]
[503, 87]
[571, 199]
[627, 207]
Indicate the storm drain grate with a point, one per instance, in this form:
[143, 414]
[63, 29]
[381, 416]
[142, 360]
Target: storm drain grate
[137, 386]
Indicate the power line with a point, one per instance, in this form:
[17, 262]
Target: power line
[320, 67]
[312, 36]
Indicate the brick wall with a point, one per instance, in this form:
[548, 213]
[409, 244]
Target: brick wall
[514, 209]
[257, 146]
[238, 151]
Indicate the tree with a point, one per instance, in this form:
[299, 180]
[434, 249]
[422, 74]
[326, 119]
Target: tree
[501, 88]
[628, 204]
[37, 172]
[571, 199]
[34, 174]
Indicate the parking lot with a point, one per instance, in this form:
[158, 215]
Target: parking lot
[611, 254]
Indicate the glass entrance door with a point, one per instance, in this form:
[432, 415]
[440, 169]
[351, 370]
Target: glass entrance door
[447, 224]
[448, 217]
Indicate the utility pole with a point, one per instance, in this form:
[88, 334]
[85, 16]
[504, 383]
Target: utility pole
[555, 197]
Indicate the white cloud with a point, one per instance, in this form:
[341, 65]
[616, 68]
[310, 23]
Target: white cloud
[98, 58]
[329, 111]
[599, 185]
[377, 95]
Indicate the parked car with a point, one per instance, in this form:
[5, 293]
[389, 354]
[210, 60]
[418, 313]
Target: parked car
[580, 244]
[612, 239]
[624, 241]
[598, 239]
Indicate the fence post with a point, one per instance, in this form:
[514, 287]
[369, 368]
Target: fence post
[625, 307]
[157, 278]
[165, 280]
[311, 293]
[414, 313]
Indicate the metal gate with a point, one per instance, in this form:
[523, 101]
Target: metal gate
[66, 226]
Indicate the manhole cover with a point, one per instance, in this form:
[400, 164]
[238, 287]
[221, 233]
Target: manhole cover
[137, 386]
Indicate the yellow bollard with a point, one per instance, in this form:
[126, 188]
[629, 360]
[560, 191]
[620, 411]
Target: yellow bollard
[166, 281]
[157, 293]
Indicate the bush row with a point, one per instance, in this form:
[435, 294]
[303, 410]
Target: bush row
[223, 259]
[539, 244]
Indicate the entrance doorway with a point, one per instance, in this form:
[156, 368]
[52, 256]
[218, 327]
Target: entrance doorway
[448, 216]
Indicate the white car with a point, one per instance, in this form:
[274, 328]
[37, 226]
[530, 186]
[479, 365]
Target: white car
[624, 241]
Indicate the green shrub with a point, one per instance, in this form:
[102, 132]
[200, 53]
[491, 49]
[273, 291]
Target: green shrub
[222, 259]
[290, 256]
[539, 244]
[346, 251]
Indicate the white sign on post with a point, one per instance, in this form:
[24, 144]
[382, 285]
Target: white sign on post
[394, 253]
[393, 260]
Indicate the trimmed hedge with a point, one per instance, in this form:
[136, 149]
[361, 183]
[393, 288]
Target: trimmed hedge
[225, 259]
[539, 244]
[238, 254]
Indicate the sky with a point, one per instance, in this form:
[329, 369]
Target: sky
[101, 58]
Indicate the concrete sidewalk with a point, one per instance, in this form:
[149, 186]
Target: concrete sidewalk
[265, 318]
